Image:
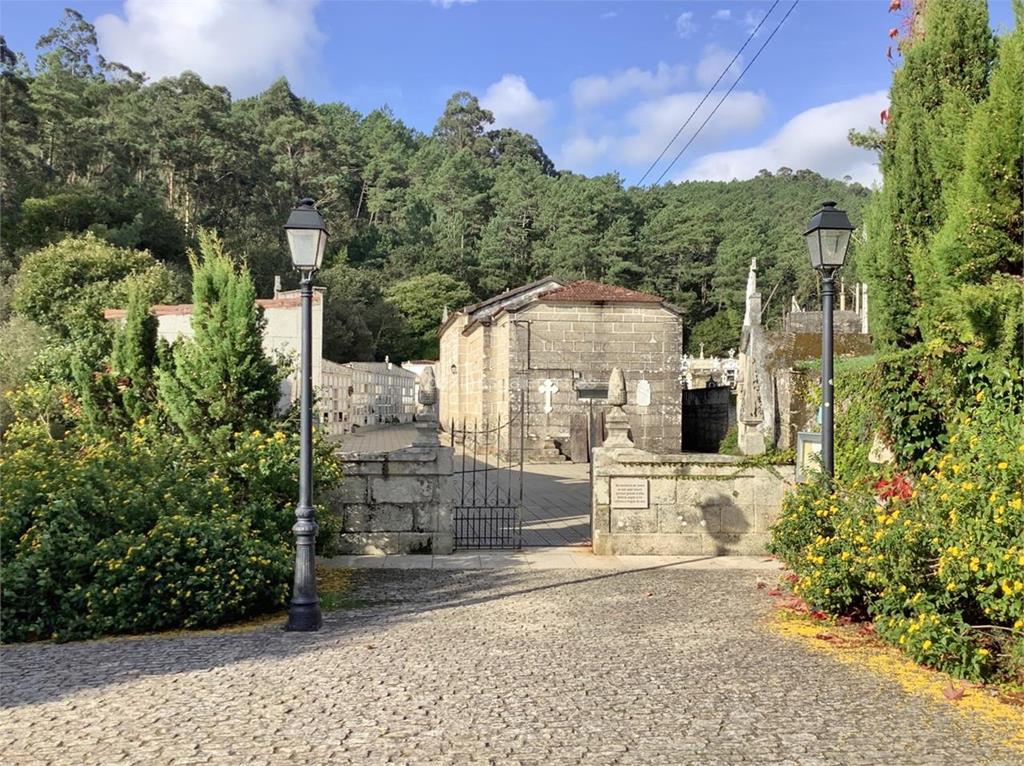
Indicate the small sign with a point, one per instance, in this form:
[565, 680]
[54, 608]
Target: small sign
[643, 393]
[808, 454]
[630, 493]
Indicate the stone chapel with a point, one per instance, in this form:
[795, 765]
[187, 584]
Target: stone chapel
[548, 347]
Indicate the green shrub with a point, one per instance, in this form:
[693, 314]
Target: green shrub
[186, 571]
[936, 557]
[141, 531]
[66, 286]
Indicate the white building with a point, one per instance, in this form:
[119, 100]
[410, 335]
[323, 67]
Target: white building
[346, 395]
[359, 394]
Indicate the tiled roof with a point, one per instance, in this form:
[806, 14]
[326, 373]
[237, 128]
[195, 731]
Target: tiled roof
[588, 291]
[185, 309]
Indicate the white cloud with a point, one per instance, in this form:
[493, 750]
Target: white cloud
[243, 44]
[595, 90]
[582, 151]
[446, 4]
[713, 61]
[814, 139]
[515, 106]
[723, 14]
[656, 121]
[609, 15]
[685, 25]
[751, 19]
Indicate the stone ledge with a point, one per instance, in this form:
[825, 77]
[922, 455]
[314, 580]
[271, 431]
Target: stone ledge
[647, 544]
[382, 543]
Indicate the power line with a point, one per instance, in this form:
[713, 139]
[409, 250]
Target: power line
[722, 100]
[708, 94]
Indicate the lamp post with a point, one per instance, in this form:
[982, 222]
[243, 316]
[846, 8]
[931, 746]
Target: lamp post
[828, 238]
[307, 237]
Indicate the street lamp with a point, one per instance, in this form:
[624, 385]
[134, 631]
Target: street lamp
[307, 237]
[828, 238]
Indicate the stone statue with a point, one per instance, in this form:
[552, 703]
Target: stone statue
[426, 417]
[427, 395]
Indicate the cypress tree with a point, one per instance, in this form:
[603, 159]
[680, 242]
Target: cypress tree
[944, 75]
[134, 357]
[979, 246]
[113, 398]
[220, 382]
[984, 230]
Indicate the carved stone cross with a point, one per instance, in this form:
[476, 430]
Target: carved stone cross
[548, 388]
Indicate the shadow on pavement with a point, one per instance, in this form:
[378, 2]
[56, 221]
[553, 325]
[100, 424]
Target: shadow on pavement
[44, 672]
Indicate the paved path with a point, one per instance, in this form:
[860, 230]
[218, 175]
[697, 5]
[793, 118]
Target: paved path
[664, 665]
[378, 438]
[537, 558]
[556, 504]
[556, 497]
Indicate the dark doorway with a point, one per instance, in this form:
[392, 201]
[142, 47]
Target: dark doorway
[706, 418]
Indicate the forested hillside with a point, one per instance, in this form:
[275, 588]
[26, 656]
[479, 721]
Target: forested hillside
[417, 221]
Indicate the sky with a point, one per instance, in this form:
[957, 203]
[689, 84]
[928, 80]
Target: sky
[603, 86]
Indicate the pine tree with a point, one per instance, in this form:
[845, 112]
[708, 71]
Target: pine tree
[220, 382]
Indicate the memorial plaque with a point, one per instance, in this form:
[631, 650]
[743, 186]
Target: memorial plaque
[643, 393]
[630, 493]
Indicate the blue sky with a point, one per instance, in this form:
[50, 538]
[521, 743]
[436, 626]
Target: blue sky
[603, 85]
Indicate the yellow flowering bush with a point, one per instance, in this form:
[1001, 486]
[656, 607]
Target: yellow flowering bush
[141, 531]
[933, 549]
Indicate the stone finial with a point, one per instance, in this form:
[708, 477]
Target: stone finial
[444, 314]
[617, 388]
[427, 395]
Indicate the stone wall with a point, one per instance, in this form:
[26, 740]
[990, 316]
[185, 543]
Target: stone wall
[396, 502]
[810, 322]
[694, 505]
[570, 344]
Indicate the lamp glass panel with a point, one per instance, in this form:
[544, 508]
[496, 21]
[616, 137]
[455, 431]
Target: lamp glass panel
[305, 247]
[814, 246]
[321, 246]
[833, 246]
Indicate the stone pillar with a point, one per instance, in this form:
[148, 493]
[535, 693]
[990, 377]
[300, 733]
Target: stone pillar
[616, 422]
[426, 418]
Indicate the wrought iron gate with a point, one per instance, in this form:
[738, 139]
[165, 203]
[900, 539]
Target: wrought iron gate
[489, 483]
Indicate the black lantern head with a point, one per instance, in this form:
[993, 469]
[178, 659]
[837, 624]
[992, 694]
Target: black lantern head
[828, 237]
[307, 236]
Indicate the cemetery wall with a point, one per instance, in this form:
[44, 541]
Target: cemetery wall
[712, 505]
[396, 502]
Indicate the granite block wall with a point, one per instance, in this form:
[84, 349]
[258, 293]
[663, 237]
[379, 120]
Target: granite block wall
[693, 504]
[396, 502]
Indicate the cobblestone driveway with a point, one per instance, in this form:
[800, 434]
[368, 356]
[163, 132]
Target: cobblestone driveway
[656, 666]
